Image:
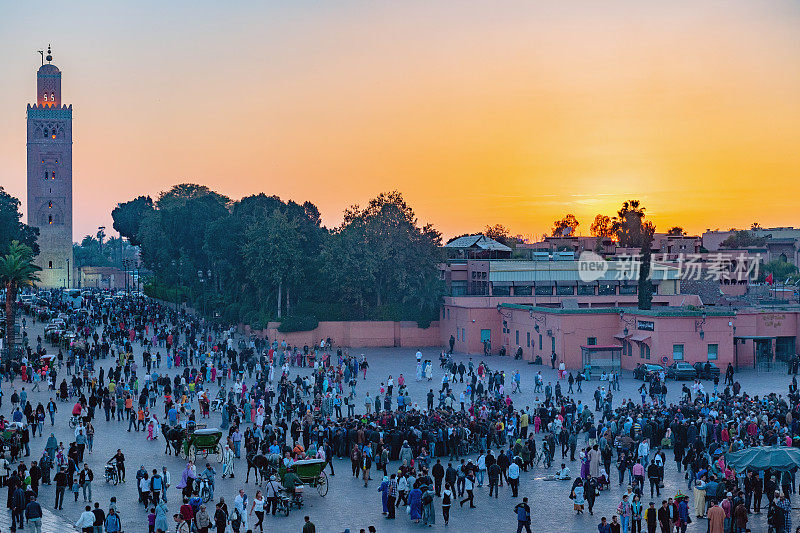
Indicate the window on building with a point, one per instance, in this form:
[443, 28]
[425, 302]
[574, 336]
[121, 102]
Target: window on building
[52, 97]
[45, 97]
[565, 290]
[552, 344]
[501, 290]
[49, 219]
[605, 289]
[46, 132]
[627, 289]
[624, 349]
[49, 264]
[585, 290]
[644, 351]
[544, 290]
[448, 313]
[629, 346]
[713, 351]
[529, 339]
[523, 290]
[50, 205]
[52, 174]
[517, 338]
[591, 341]
[677, 352]
[540, 341]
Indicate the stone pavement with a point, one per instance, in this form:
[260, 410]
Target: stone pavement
[50, 523]
[348, 504]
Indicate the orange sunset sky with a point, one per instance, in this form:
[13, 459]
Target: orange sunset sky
[479, 112]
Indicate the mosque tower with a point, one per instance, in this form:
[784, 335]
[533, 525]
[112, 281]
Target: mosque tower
[50, 177]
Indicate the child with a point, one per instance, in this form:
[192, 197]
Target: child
[151, 520]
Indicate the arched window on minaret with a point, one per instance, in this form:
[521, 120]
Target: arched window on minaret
[45, 174]
[45, 96]
[49, 219]
[52, 97]
[46, 132]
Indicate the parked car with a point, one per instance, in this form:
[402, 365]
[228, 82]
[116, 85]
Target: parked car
[707, 370]
[646, 371]
[681, 371]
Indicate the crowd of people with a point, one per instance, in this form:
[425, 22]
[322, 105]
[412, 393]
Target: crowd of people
[278, 404]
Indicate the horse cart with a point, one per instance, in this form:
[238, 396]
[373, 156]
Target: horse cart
[311, 472]
[201, 444]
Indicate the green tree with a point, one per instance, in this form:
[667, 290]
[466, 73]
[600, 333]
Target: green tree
[676, 231]
[16, 271]
[601, 227]
[742, 239]
[391, 258]
[565, 226]
[628, 225]
[780, 270]
[11, 227]
[645, 284]
[272, 254]
[90, 253]
[501, 234]
[128, 217]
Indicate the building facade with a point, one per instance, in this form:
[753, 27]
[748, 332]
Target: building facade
[50, 177]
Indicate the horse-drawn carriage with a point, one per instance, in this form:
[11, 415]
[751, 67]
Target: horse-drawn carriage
[202, 443]
[11, 440]
[195, 443]
[311, 472]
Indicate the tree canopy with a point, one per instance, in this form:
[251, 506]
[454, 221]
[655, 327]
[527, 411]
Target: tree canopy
[565, 226]
[269, 258]
[743, 239]
[11, 226]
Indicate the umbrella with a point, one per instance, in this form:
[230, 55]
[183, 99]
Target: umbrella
[763, 457]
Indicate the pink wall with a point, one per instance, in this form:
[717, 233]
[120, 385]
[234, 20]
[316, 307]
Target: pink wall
[377, 334]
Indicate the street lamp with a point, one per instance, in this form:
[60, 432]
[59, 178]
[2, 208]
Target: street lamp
[204, 277]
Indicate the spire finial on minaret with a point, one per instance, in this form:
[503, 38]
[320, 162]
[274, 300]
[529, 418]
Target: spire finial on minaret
[49, 54]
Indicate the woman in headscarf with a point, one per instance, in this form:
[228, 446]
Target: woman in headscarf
[384, 490]
[187, 479]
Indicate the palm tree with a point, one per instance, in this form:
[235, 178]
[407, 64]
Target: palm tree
[16, 271]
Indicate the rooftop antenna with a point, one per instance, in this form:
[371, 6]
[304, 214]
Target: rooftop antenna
[41, 53]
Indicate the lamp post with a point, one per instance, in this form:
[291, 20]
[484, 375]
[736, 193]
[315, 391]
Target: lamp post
[205, 279]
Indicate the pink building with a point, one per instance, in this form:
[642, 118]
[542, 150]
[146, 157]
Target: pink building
[663, 335]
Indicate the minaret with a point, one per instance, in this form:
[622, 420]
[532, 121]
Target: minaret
[50, 177]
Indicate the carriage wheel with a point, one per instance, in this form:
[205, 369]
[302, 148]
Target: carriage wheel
[200, 453]
[286, 509]
[322, 483]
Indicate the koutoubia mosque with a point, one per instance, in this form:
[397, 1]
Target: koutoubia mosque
[50, 176]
